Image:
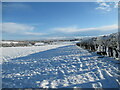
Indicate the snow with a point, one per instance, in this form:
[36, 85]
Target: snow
[9, 53]
[63, 66]
[8, 42]
[39, 44]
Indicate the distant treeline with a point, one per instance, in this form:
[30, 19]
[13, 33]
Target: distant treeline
[108, 45]
[17, 43]
[12, 44]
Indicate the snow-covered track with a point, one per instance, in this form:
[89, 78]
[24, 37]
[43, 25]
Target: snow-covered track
[67, 66]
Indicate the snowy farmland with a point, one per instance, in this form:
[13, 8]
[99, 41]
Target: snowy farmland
[57, 66]
[9, 53]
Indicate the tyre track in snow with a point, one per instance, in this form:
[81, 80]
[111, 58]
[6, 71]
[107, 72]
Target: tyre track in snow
[68, 66]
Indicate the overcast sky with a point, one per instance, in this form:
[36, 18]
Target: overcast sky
[38, 20]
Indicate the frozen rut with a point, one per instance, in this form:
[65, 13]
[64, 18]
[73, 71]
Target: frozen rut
[67, 66]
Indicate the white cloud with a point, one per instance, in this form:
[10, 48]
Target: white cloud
[11, 27]
[21, 29]
[108, 28]
[54, 38]
[107, 6]
[104, 6]
[116, 5]
[66, 29]
[33, 33]
[75, 29]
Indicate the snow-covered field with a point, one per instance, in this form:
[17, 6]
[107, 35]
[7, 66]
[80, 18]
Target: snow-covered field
[9, 53]
[62, 66]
